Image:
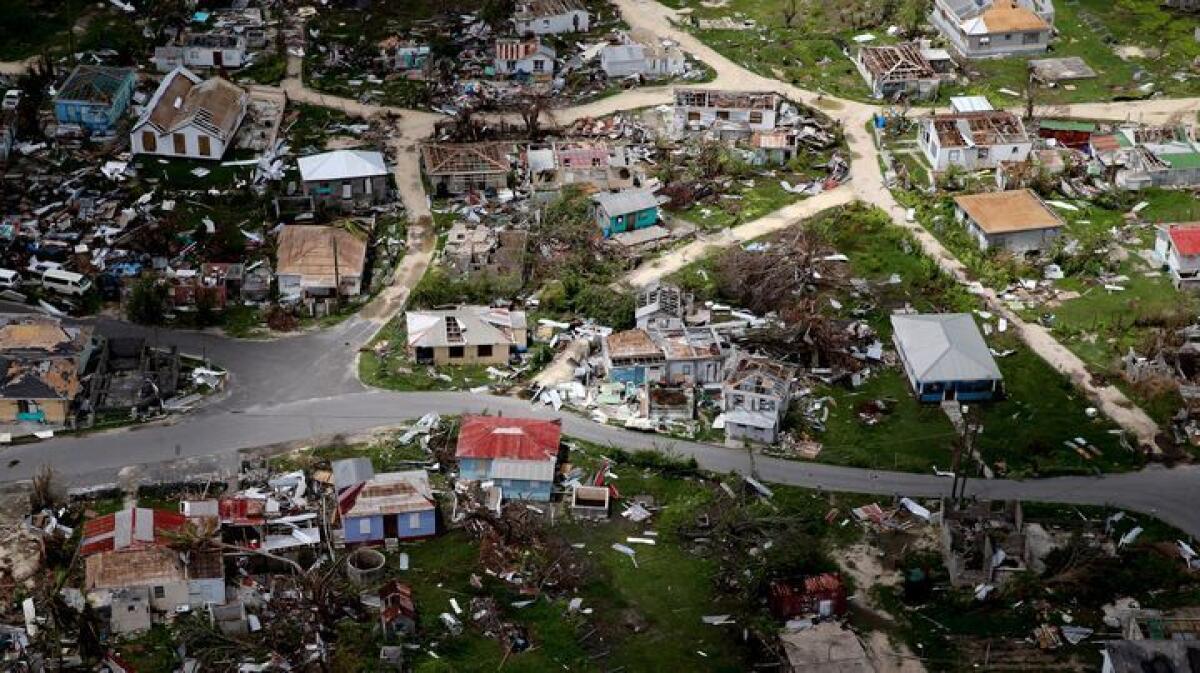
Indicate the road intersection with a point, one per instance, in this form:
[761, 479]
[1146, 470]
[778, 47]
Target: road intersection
[303, 388]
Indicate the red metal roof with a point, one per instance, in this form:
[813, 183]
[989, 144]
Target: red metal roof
[133, 528]
[242, 511]
[512, 438]
[1186, 238]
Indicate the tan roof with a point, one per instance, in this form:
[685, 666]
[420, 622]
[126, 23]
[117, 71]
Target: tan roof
[117, 569]
[631, 343]
[1006, 212]
[214, 105]
[45, 335]
[1007, 18]
[307, 250]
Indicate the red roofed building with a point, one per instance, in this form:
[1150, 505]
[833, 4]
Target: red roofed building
[518, 454]
[823, 595]
[1177, 247]
[133, 528]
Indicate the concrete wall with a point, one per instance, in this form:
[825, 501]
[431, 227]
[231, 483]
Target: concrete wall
[164, 144]
[363, 192]
[968, 158]
[704, 117]
[1017, 242]
[736, 435]
[461, 184]
[499, 356]
[574, 21]
[54, 412]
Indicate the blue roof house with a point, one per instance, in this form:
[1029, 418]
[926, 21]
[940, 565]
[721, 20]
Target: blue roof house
[618, 212]
[378, 507]
[946, 358]
[94, 97]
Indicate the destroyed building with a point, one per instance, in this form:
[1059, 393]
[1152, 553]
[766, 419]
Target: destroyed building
[663, 306]
[595, 164]
[43, 362]
[518, 455]
[550, 17]
[190, 117]
[474, 250]
[94, 97]
[946, 358]
[319, 262]
[403, 55]
[129, 558]
[203, 50]
[898, 70]
[458, 168]
[1017, 221]
[729, 113]
[983, 542]
[126, 373]
[1166, 157]
[374, 507]
[756, 397]
[994, 28]
[642, 54]
[466, 335]
[345, 180]
[973, 140]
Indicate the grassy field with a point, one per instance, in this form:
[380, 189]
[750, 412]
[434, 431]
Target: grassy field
[747, 201]
[1023, 434]
[810, 53]
[667, 593]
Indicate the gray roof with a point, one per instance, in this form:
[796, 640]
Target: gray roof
[464, 326]
[944, 347]
[350, 471]
[621, 53]
[342, 165]
[628, 201]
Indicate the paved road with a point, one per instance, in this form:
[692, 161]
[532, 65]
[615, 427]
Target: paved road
[304, 387]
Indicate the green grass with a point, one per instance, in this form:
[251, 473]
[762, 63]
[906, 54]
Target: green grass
[395, 371]
[809, 55]
[243, 322]
[310, 127]
[763, 196]
[177, 173]
[268, 69]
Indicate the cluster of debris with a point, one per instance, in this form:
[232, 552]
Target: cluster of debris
[543, 51]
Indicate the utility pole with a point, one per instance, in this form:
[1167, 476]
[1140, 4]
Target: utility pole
[964, 447]
[337, 276]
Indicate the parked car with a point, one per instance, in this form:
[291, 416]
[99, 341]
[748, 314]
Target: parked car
[9, 279]
[12, 99]
[66, 282]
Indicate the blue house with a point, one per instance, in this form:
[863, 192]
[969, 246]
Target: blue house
[519, 455]
[946, 358]
[377, 507]
[95, 97]
[618, 212]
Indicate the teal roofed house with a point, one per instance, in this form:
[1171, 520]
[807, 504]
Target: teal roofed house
[618, 212]
[94, 97]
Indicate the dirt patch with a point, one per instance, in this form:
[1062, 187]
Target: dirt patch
[889, 657]
[342, 143]
[1127, 52]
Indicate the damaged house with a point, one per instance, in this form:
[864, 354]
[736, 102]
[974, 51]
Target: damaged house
[129, 562]
[755, 397]
[1177, 248]
[550, 17]
[983, 542]
[898, 70]
[632, 357]
[315, 261]
[386, 506]
[94, 97]
[458, 168]
[1156, 157]
[1017, 221]
[973, 140]
[946, 358]
[519, 455]
[478, 249]
[737, 113]
[190, 117]
[603, 166]
[42, 364]
[662, 306]
[203, 50]
[403, 55]
[467, 335]
[994, 28]
[344, 179]
[644, 55]
[524, 58]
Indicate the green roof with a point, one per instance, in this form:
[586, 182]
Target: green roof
[1068, 125]
[1181, 159]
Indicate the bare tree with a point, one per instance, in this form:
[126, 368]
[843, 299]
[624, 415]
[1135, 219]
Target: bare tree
[790, 9]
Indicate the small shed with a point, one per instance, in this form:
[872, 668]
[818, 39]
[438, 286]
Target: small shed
[618, 212]
[590, 502]
[945, 357]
